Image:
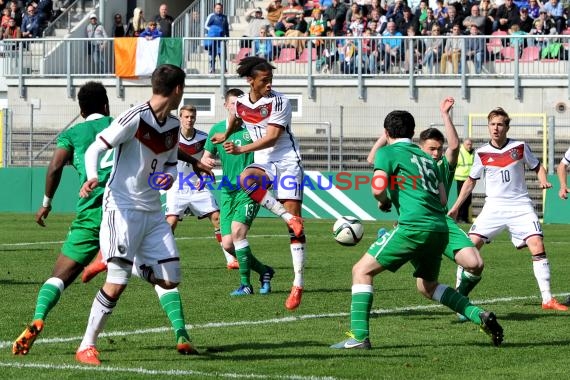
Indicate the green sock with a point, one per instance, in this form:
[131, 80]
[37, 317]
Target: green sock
[458, 303]
[244, 258]
[360, 311]
[467, 283]
[48, 296]
[172, 306]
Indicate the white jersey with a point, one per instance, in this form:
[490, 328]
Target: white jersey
[566, 158]
[194, 146]
[143, 147]
[504, 171]
[274, 109]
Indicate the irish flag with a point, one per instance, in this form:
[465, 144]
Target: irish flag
[137, 56]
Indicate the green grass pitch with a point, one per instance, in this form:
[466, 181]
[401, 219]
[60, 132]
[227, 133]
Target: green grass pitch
[255, 337]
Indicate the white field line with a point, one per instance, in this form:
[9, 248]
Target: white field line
[153, 372]
[4, 344]
[178, 238]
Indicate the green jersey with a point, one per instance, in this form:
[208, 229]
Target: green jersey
[446, 173]
[233, 164]
[76, 140]
[413, 185]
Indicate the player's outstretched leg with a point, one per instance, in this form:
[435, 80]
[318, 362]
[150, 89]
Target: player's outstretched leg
[172, 305]
[48, 296]
[460, 304]
[94, 268]
[297, 246]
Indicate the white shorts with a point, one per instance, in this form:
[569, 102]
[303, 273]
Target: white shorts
[286, 177]
[127, 234]
[199, 203]
[522, 224]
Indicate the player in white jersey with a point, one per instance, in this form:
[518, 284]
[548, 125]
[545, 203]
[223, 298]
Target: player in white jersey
[563, 192]
[507, 205]
[185, 197]
[277, 161]
[134, 234]
[562, 177]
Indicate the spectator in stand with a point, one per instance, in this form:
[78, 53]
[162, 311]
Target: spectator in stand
[31, 23]
[433, 49]
[289, 16]
[217, 25]
[429, 22]
[539, 34]
[451, 20]
[119, 29]
[407, 20]
[274, 10]
[318, 28]
[12, 31]
[533, 9]
[395, 11]
[487, 10]
[44, 10]
[515, 40]
[348, 55]
[379, 21]
[136, 24]
[525, 22]
[505, 16]
[357, 25]
[475, 18]
[547, 22]
[151, 32]
[164, 21]
[555, 11]
[255, 22]
[417, 47]
[440, 12]
[370, 52]
[335, 16]
[96, 46]
[263, 47]
[474, 49]
[16, 13]
[452, 51]
[421, 13]
[353, 12]
[391, 47]
[5, 18]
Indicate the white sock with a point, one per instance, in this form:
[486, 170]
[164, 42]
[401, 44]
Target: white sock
[100, 311]
[458, 276]
[298, 256]
[229, 257]
[542, 274]
[269, 202]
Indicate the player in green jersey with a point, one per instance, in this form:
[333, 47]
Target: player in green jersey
[82, 242]
[237, 210]
[460, 249]
[420, 237]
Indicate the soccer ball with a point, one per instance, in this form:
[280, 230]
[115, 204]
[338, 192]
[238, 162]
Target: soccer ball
[347, 230]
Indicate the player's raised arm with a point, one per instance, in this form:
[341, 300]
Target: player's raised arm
[377, 145]
[53, 177]
[467, 188]
[452, 151]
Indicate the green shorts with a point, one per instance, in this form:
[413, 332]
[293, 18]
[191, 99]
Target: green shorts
[236, 206]
[82, 242]
[458, 239]
[423, 249]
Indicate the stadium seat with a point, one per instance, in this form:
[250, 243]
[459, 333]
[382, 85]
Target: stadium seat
[507, 54]
[530, 54]
[495, 45]
[242, 53]
[286, 55]
[304, 57]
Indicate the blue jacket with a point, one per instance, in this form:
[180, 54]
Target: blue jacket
[219, 20]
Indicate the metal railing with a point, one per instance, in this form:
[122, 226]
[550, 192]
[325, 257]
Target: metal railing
[339, 58]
